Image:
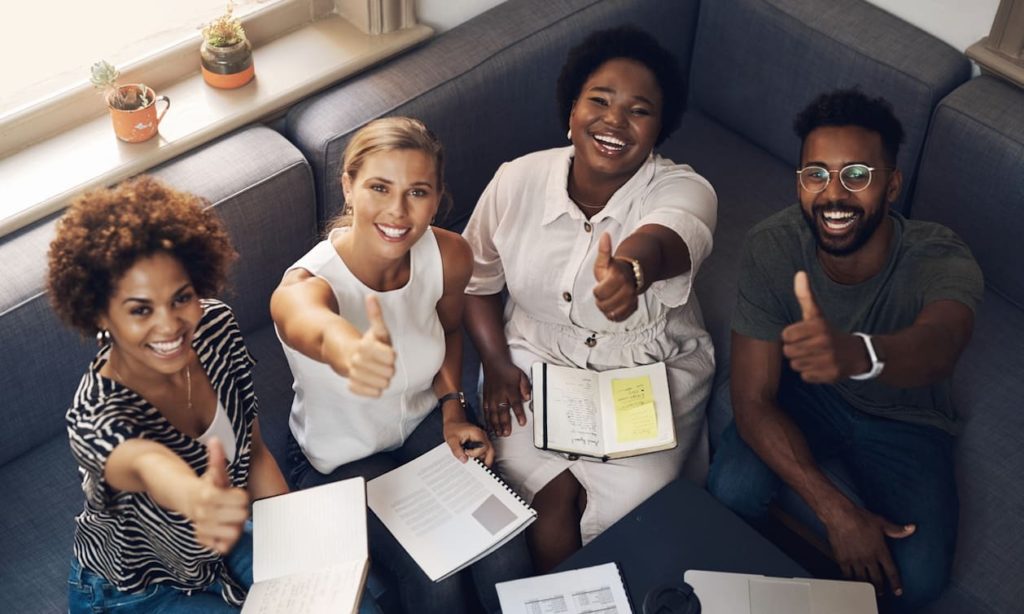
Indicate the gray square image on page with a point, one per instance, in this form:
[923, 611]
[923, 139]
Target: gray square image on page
[493, 515]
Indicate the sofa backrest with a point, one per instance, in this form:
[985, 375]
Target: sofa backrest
[972, 177]
[500, 67]
[758, 62]
[255, 180]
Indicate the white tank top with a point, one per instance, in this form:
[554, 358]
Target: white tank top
[221, 428]
[332, 425]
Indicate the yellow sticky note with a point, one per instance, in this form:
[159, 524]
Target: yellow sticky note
[635, 418]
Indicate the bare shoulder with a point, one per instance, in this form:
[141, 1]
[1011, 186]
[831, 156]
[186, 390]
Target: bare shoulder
[299, 288]
[456, 259]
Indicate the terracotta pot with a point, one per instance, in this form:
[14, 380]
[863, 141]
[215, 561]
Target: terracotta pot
[227, 67]
[140, 124]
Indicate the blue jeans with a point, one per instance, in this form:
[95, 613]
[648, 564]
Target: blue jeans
[903, 472]
[416, 592]
[92, 593]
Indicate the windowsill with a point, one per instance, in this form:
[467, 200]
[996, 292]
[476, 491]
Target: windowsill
[42, 178]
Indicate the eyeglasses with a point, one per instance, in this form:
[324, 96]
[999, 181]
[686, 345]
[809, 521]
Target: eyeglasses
[854, 177]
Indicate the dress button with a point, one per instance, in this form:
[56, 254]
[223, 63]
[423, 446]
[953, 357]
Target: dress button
[590, 342]
[587, 226]
[566, 297]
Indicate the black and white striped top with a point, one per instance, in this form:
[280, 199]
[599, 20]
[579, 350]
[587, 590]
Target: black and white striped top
[127, 537]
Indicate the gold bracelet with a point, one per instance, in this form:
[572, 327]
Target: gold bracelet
[638, 271]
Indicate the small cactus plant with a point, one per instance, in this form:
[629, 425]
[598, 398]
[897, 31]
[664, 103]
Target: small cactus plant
[224, 31]
[104, 77]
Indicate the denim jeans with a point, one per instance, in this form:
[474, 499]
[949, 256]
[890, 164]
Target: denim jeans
[89, 592]
[416, 592]
[903, 472]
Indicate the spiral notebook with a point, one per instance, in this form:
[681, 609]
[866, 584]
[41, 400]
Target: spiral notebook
[446, 514]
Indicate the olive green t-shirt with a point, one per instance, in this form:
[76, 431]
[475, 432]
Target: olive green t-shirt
[927, 263]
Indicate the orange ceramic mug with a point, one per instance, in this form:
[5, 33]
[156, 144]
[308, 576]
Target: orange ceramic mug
[139, 124]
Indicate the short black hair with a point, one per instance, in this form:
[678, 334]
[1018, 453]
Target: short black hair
[630, 43]
[851, 107]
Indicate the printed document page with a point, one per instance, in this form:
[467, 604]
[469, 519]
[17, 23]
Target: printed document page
[591, 590]
[446, 514]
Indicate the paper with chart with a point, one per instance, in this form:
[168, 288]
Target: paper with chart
[309, 550]
[591, 590]
[445, 513]
[607, 414]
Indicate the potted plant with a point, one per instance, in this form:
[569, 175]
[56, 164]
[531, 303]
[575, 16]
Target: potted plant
[132, 106]
[226, 53]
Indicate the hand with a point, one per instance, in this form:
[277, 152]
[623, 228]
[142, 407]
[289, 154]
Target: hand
[371, 360]
[616, 290]
[506, 387]
[858, 543]
[819, 353]
[218, 511]
[468, 440]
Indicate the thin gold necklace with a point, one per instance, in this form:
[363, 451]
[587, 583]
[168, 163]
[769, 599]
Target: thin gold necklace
[188, 379]
[582, 203]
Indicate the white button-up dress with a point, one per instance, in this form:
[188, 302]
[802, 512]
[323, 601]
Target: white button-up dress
[528, 236]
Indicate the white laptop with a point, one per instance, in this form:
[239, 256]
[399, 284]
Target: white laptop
[735, 593]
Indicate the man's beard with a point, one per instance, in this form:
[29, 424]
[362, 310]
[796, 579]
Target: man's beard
[863, 228]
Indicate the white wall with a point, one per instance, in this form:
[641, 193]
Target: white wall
[958, 22]
[446, 14]
[961, 23]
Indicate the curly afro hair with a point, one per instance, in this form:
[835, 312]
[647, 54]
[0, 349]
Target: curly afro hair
[851, 107]
[105, 231]
[630, 43]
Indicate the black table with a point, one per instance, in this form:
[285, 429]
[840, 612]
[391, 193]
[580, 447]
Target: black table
[681, 527]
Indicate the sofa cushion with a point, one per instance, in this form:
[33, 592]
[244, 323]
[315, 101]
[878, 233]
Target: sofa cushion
[972, 177]
[42, 495]
[758, 62]
[499, 71]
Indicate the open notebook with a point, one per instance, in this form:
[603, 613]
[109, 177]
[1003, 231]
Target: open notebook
[447, 514]
[309, 551]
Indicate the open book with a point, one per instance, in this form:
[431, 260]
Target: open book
[309, 550]
[590, 590]
[611, 414]
[447, 514]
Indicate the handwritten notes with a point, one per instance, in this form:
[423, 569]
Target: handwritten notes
[635, 417]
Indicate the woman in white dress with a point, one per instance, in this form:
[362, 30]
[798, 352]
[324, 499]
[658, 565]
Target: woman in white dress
[370, 322]
[597, 245]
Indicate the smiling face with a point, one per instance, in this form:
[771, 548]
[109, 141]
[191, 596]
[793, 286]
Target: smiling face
[616, 119]
[394, 197]
[152, 315]
[843, 221]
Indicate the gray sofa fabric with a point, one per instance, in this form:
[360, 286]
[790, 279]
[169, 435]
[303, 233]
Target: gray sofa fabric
[758, 61]
[487, 89]
[972, 180]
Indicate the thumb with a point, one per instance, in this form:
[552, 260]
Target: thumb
[217, 464]
[896, 531]
[604, 256]
[802, 289]
[377, 326]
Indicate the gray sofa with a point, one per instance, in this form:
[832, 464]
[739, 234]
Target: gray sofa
[486, 87]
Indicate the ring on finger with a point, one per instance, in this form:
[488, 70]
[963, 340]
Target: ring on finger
[504, 404]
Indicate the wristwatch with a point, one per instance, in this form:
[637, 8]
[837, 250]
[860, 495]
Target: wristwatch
[457, 395]
[877, 364]
[638, 271]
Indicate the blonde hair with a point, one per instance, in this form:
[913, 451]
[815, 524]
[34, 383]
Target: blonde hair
[390, 134]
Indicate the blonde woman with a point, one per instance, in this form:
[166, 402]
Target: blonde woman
[370, 324]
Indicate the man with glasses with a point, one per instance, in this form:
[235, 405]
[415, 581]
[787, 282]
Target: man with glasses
[848, 321]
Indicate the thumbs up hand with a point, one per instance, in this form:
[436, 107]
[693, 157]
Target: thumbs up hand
[218, 511]
[819, 353]
[371, 361]
[615, 293]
